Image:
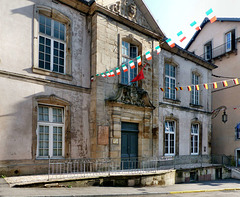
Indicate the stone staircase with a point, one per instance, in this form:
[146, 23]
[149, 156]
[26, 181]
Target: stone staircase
[235, 173]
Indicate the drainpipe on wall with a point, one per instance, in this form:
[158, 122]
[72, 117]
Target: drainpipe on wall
[152, 96]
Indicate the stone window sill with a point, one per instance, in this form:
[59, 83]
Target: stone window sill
[52, 74]
[195, 106]
[172, 101]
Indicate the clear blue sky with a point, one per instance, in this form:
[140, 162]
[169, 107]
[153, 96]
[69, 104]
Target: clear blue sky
[173, 16]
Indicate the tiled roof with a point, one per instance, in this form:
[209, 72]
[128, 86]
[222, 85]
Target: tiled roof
[205, 21]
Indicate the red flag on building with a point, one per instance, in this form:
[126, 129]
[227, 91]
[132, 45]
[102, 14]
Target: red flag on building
[139, 76]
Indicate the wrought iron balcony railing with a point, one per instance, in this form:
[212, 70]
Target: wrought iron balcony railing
[219, 51]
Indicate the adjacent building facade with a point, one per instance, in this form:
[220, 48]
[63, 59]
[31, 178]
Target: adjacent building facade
[218, 43]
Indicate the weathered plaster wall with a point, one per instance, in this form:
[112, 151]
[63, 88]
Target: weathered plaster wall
[16, 19]
[20, 85]
[182, 111]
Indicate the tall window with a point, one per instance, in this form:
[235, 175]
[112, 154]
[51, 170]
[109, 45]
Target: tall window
[169, 138]
[230, 40]
[208, 51]
[195, 139]
[50, 132]
[237, 129]
[194, 92]
[129, 52]
[52, 45]
[170, 81]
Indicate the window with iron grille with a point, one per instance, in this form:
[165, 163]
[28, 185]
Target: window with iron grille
[170, 82]
[129, 52]
[195, 139]
[169, 138]
[50, 131]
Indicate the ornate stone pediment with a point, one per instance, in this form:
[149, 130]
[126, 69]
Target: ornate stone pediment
[132, 95]
[129, 10]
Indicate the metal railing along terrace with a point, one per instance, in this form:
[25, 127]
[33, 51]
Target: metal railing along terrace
[87, 167]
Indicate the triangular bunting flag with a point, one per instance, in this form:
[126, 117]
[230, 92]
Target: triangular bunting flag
[197, 87]
[214, 85]
[112, 73]
[139, 61]
[181, 36]
[148, 55]
[194, 25]
[205, 86]
[118, 71]
[124, 67]
[225, 84]
[170, 42]
[108, 74]
[236, 81]
[158, 49]
[132, 65]
[211, 16]
[103, 75]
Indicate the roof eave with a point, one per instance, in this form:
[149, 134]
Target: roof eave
[189, 56]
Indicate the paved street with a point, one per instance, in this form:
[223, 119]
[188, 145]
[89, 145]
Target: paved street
[222, 188]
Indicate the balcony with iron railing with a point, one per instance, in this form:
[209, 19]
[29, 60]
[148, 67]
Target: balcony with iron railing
[220, 51]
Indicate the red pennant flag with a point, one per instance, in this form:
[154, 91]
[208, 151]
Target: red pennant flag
[139, 76]
[162, 89]
[181, 88]
[176, 88]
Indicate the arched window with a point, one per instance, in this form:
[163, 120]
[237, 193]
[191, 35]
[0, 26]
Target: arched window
[129, 52]
[170, 136]
[195, 139]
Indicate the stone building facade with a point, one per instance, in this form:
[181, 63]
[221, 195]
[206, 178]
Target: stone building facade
[184, 116]
[124, 115]
[218, 42]
[45, 80]
[52, 108]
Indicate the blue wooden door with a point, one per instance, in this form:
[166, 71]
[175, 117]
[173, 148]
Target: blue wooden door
[129, 145]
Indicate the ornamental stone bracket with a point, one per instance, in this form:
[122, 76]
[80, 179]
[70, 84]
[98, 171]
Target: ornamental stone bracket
[132, 95]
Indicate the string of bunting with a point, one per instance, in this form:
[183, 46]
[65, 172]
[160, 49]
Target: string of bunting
[206, 86]
[212, 17]
[148, 56]
[124, 67]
